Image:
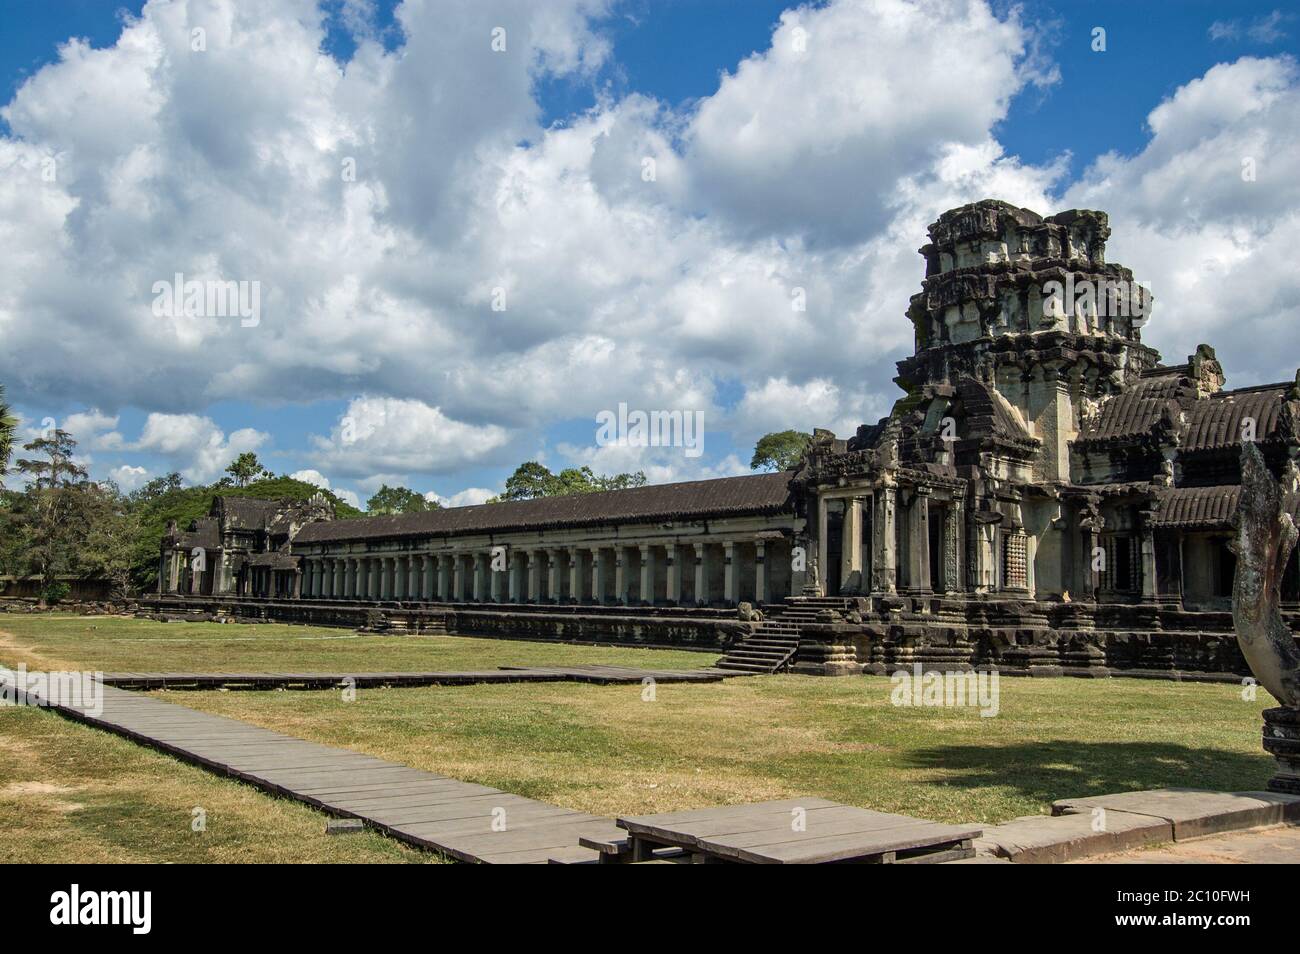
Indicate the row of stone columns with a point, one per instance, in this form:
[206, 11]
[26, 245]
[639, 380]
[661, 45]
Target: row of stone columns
[576, 574]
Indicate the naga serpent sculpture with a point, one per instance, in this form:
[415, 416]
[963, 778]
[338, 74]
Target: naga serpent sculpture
[1265, 537]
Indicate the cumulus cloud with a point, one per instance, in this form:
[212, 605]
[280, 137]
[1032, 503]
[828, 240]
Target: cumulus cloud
[757, 270]
[464, 498]
[1209, 214]
[128, 477]
[401, 437]
[200, 448]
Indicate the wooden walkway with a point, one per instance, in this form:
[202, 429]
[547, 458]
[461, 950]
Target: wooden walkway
[465, 821]
[596, 675]
[791, 831]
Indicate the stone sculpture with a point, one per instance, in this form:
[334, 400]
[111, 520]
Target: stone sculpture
[1266, 535]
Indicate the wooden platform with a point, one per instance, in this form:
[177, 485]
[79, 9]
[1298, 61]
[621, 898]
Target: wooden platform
[790, 831]
[459, 819]
[596, 675]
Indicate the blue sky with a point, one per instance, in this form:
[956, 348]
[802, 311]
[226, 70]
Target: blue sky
[1070, 107]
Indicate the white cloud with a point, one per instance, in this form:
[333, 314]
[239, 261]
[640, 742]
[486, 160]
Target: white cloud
[401, 437]
[810, 173]
[464, 498]
[94, 430]
[314, 477]
[200, 448]
[1215, 244]
[129, 478]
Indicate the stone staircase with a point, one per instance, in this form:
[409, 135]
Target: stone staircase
[773, 646]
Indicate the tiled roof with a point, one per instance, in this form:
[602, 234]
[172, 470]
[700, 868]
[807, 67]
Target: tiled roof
[1136, 411]
[1200, 507]
[246, 513]
[1217, 422]
[758, 493]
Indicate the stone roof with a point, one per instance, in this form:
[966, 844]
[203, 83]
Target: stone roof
[275, 560]
[1190, 508]
[246, 513]
[988, 413]
[696, 499]
[1216, 422]
[1137, 411]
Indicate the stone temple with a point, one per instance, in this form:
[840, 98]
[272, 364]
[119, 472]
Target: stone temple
[1047, 496]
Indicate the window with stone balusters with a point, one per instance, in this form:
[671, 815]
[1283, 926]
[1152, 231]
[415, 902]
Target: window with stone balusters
[1120, 569]
[1015, 570]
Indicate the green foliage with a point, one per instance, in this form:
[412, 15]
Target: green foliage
[8, 423]
[246, 468]
[532, 480]
[780, 450]
[390, 500]
[55, 592]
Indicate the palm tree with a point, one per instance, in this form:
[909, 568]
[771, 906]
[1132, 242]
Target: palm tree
[8, 423]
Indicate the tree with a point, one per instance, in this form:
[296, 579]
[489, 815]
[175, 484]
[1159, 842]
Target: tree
[8, 423]
[158, 487]
[532, 480]
[389, 500]
[112, 528]
[529, 480]
[58, 469]
[779, 451]
[52, 507]
[246, 468]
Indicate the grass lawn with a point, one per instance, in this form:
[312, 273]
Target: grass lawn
[118, 644]
[70, 793]
[602, 749]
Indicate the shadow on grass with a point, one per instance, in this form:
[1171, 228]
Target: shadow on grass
[1043, 771]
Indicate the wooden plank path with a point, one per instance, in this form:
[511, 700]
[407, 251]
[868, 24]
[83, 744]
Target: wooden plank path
[592, 674]
[767, 833]
[459, 819]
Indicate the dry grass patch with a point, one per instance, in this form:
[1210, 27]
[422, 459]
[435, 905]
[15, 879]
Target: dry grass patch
[73, 794]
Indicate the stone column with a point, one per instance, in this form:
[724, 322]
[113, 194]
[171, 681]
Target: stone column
[331, 578]
[622, 578]
[349, 578]
[496, 577]
[918, 525]
[534, 576]
[426, 577]
[673, 559]
[851, 547]
[954, 545]
[730, 573]
[513, 572]
[457, 578]
[480, 577]
[823, 544]
[413, 577]
[444, 577]
[575, 575]
[552, 575]
[884, 530]
[701, 575]
[599, 574]
[760, 571]
[1148, 565]
[647, 575]
[297, 584]
[399, 577]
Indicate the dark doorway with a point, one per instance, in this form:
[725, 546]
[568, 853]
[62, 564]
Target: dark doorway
[834, 550]
[936, 518]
